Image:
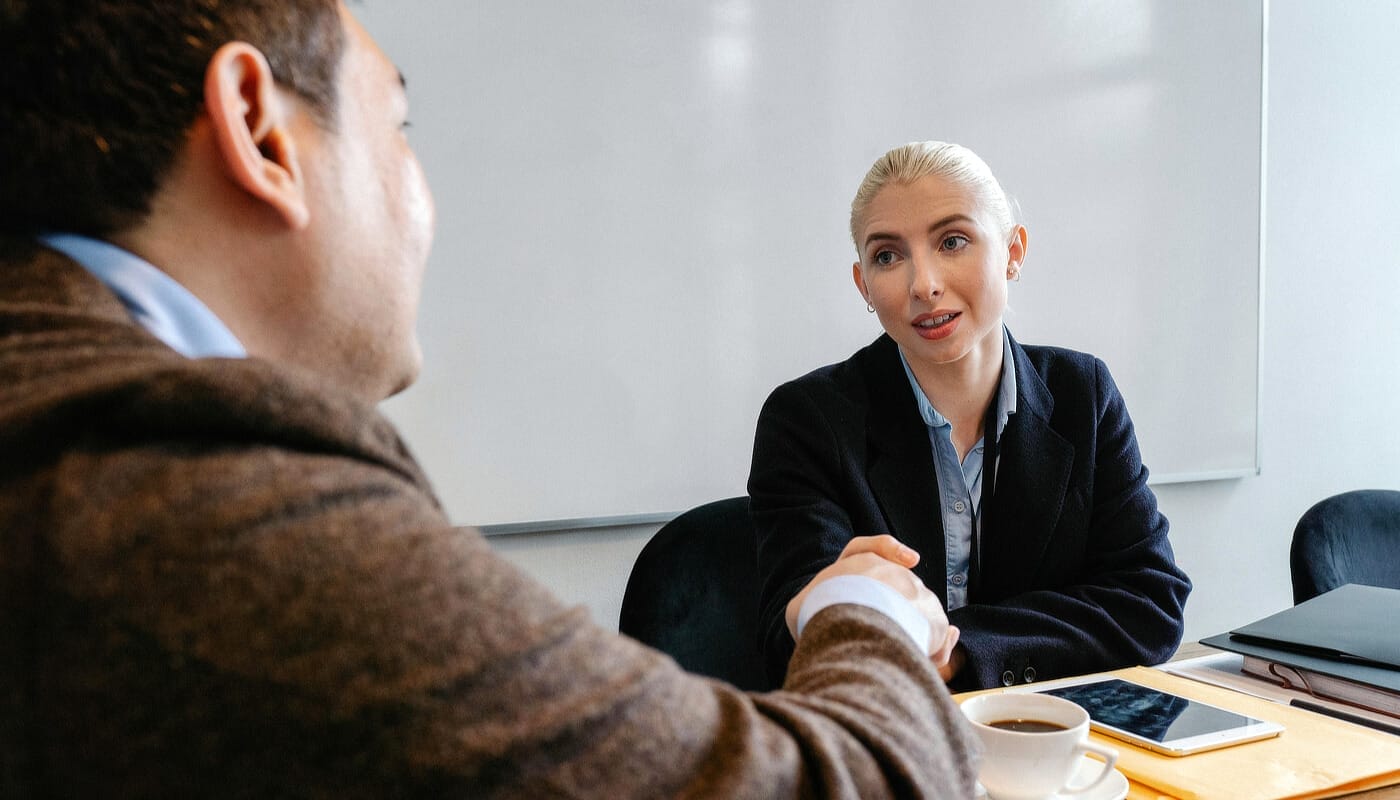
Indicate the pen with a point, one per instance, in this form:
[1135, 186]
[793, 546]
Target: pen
[1342, 715]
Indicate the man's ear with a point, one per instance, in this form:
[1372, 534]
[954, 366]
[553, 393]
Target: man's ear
[252, 126]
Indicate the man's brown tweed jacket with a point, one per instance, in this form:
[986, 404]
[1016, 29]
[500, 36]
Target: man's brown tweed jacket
[219, 578]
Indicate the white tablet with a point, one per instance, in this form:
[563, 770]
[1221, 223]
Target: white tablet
[1160, 721]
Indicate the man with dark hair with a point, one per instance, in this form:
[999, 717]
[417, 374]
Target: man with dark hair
[103, 131]
[221, 574]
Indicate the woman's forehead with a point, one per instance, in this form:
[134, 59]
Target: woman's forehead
[928, 197]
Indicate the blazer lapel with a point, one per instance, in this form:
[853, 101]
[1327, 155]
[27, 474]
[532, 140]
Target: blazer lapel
[1033, 473]
[900, 464]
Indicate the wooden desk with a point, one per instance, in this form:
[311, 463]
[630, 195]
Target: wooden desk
[1194, 649]
[1387, 793]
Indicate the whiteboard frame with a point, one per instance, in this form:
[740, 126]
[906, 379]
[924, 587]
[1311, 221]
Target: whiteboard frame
[661, 518]
[1168, 478]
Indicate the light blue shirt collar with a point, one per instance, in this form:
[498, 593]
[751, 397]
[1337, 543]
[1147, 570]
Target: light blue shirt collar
[1006, 397]
[958, 485]
[155, 300]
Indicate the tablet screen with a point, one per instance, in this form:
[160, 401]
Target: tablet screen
[1148, 713]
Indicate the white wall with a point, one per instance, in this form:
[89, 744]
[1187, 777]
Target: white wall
[627, 212]
[1331, 338]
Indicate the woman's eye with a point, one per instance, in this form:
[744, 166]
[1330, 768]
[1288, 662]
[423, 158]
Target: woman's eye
[884, 258]
[954, 242]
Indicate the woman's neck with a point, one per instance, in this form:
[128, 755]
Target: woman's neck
[963, 390]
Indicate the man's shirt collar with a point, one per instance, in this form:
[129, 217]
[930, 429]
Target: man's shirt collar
[156, 301]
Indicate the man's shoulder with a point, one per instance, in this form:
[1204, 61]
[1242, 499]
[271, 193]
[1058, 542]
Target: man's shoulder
[119, 403]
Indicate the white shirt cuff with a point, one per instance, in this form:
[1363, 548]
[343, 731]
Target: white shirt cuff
[868, 592]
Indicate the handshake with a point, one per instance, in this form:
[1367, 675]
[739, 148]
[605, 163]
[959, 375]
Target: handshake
[885, 559]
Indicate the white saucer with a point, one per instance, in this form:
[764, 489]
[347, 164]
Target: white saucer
[1114, 787]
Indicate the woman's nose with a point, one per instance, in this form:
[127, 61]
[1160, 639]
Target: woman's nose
[926, 283]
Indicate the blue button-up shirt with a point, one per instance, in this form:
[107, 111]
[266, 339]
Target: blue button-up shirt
[155, 300]
[960, 484]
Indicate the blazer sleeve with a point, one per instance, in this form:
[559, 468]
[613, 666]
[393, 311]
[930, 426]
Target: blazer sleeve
[796, 487]
[322, 631]
[1124, 603]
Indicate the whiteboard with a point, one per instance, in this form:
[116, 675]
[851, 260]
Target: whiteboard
[642, 221]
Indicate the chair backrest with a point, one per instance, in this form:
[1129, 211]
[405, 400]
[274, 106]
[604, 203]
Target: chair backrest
[1353, 537]
[693, 594]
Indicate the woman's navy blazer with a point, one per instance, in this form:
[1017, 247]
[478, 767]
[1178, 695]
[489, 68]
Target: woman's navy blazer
[1075, 571]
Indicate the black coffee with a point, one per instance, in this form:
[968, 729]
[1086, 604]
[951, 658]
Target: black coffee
[1027, 725]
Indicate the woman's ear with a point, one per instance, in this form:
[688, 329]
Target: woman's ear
[252, 126]
[1016, 253]
[859, 278]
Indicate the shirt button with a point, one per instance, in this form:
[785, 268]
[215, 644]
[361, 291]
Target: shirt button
[960, 506]
[959, 579]
[1029, 674]
[1008, 678]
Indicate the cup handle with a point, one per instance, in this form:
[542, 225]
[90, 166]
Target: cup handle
[1110, 757]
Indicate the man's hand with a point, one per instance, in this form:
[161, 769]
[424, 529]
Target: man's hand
[887, 560]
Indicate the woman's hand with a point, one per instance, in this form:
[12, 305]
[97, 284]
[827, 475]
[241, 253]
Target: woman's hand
[951, 659]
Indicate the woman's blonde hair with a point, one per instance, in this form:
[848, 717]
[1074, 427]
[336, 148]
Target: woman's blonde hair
[952, 162]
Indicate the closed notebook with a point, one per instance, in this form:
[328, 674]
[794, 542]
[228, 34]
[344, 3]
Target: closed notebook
[1352, 623]
[1323, 684]
[1382, 677]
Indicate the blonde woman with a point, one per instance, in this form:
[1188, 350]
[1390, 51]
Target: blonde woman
[1011, 469]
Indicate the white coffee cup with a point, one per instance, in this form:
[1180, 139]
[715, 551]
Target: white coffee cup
[1022, 765]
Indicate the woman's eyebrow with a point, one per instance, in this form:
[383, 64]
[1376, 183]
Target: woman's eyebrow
[880, 236]
[948, 220]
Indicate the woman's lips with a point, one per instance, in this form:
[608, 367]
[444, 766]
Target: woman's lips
[938, 325]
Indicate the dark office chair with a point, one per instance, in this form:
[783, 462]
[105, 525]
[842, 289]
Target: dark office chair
[693, 594]
[1353, 537]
